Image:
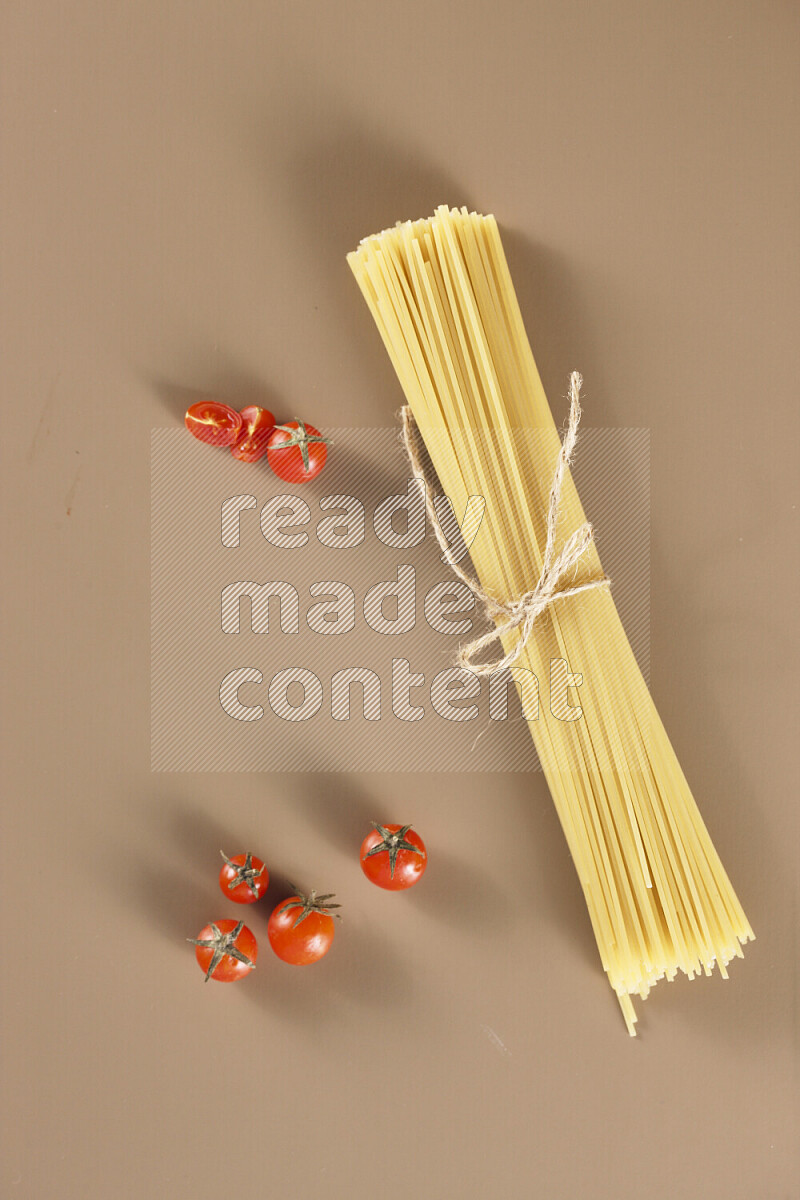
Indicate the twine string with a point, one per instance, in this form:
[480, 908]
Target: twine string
[551, 585]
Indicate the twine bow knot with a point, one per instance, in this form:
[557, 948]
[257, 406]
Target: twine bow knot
[523, 612]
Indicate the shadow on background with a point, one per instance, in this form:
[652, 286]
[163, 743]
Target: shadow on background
[343, 187]
[226, 385]
[176, 887]
[731, 810]
[171, 900]
[558, 323]
[200, 838]
[459, 893]
[339, 807]
[356, 182]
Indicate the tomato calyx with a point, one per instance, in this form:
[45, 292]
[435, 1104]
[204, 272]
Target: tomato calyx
[312, 903]
[301, 438]
[222, 944]
[244, 873]
[392, 843]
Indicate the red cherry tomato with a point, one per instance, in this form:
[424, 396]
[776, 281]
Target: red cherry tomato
[244, 878]
[226, 950]
[393, 857]
[214, 423]
[296, 451]
[301, 928]
[258, 424]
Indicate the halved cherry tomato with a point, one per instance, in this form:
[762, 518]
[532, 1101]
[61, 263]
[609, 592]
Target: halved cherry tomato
[301, 928]
[296, 451]
[393, 857]
[244, 878]
[214, 423]
[226, 950]
[252, 441]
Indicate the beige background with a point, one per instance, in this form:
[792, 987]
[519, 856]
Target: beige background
[181, 182]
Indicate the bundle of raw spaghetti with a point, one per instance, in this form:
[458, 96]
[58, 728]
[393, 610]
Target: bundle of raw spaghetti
[658, 897]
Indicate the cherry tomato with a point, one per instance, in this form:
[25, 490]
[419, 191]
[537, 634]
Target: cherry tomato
[301, 928]
[393, 857]
[214, 423]
[226, 950]
[258, 424]
[244, 878]
[296, 451]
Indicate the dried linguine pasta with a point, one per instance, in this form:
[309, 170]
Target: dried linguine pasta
[658, 896]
